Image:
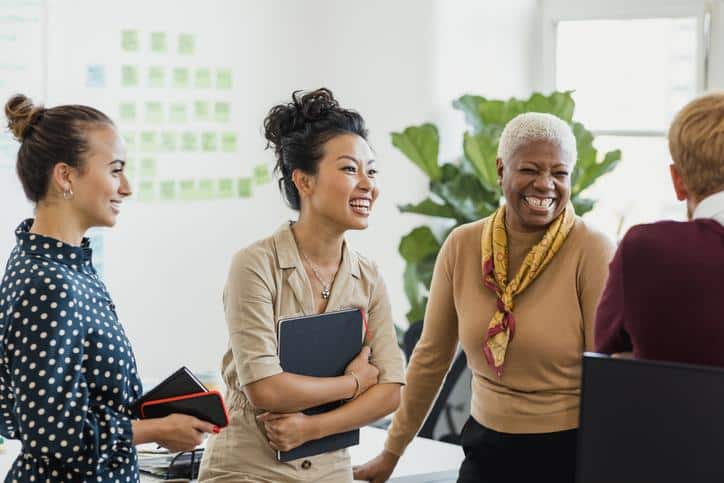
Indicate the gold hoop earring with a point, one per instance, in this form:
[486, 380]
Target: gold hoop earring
[68, 194]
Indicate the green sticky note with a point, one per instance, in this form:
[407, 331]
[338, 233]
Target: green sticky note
[261, 174]
[208, 141]
[167, 190]
[243, 187]
[228, 142]
[222, 111]
[158, 42]
[146, 190]
[127, 111]
[201, 111]
[186, 44]
[169, 141]
[226, 188]
[130, 41]
[177, 113]
[156, 76]
[189, 141]
[187, 189]
[148, 167]
[180, 77]
[206, 189]
[202, 78]
[148, 141]
[130, 140]
[154, 112]
[223, 78]
[129, 76]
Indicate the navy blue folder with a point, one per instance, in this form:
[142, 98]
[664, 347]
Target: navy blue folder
[320, 345]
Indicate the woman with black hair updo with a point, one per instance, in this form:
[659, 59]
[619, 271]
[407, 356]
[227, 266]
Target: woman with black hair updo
[327, 173]
[68, 377]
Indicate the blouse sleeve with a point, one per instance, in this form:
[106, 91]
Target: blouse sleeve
[250, 320]
[386, 354]
[59, 421]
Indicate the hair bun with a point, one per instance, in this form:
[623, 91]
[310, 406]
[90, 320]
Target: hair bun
[304, 109]
[316, 104]
[21, 114]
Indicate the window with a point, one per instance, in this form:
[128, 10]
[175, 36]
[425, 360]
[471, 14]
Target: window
[631, 69]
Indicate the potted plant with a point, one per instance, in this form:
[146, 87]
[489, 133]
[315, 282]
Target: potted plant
[466, 189]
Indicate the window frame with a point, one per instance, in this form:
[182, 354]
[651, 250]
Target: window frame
[709, 49]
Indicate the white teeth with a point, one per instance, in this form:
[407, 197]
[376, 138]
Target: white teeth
[539, 202]
[360, 204]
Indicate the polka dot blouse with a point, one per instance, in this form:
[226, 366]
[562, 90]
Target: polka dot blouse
[68, 376]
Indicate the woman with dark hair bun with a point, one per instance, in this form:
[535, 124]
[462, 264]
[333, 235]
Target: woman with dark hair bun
[327, 173]
[68, 377]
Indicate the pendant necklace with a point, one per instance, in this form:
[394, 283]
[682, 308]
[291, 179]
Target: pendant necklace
[325, 286]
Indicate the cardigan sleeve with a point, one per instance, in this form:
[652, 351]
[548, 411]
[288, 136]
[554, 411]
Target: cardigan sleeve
[432, 356]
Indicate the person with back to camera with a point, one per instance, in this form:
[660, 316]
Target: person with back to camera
[518, 290]
[664, 298]
[68, 376]
[327, 173]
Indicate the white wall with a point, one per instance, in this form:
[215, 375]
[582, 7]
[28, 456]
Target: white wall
[397, 62]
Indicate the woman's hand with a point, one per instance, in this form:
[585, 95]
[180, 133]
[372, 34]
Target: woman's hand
[180, 432]
[366, 373]
[378, 469]
[287, 431]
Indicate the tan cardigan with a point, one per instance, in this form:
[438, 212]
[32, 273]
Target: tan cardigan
[539, 389]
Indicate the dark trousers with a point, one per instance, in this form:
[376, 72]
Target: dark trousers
[493, 457]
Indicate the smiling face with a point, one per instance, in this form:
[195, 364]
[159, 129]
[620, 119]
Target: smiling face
[537, 185]
[344, 189]
[100, 186]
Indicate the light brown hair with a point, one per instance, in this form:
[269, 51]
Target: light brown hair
[696, 143]
[48, 137]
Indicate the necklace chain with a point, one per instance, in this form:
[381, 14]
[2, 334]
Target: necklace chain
[325, 286]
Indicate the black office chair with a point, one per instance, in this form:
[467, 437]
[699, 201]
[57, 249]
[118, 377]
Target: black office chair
[443, 407]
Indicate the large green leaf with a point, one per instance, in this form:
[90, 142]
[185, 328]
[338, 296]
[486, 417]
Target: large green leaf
[420, 144]
[560, 104]
[413, 291]
[582, 205]
[465, 193]
[418, 244]
[469, 105]
[588, 168]
[429, 208]
[481, 151]
[481, 112]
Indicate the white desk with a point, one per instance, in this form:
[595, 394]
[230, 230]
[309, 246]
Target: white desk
[423, 456]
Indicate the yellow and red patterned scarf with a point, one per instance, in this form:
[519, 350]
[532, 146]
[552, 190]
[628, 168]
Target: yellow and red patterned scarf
[495, 276]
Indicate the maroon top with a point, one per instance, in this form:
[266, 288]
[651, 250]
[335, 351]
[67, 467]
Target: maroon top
[664, 298]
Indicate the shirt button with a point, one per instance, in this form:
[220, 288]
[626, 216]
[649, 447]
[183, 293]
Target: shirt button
[306, 464]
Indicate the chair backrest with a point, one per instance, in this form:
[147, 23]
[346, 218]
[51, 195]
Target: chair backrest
[441, 407]
[649, 421]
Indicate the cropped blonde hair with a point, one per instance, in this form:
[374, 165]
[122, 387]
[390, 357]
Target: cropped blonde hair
[537, 126]
[696, 143]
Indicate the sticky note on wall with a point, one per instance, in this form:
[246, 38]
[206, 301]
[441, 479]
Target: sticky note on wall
[186, 44]
[130, 41]
[158, 42]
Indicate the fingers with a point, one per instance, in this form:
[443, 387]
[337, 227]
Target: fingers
[268, 416]
[204, 427]
[365, 352]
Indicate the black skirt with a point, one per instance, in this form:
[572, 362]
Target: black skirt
[493, 457]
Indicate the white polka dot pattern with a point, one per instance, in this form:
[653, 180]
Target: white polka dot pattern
[68, 376]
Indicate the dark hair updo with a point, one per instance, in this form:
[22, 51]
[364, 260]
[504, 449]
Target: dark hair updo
[298, 131]
[48, 137]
